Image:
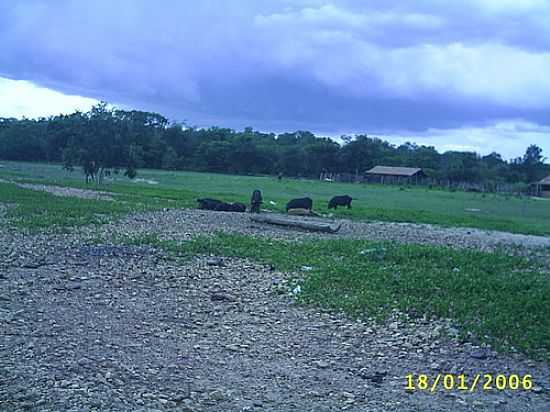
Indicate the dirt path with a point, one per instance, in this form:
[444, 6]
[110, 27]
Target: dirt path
[106, 327]
[65, 191]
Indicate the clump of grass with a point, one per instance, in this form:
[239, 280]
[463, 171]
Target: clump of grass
[37, 210]
[502, 299]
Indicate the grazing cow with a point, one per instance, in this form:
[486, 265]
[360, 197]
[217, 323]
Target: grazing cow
[302, 203]
[209, 204]
[256, 201]
[340, 201]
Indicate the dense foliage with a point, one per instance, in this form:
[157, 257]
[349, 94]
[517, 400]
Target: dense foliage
[105, 139]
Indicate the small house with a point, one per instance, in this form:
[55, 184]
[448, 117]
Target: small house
[395, 175]
[543, 187]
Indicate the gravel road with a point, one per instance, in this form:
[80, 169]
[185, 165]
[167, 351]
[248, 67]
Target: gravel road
[87, 327]
[68, 191]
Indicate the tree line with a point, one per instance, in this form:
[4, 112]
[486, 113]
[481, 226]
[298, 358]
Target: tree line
[106, 139]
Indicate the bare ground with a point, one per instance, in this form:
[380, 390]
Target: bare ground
[89, 327]
[69, 191]
[66, 191]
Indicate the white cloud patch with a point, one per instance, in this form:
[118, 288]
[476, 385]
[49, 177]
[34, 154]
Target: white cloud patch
[511, 6]
[20, 98]
[337, 48]
[508, 137]
[330, 16]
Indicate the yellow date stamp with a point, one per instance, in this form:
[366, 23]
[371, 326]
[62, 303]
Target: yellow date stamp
[467, 383]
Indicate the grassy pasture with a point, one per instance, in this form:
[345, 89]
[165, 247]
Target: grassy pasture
[497, 298]
[160, 188]
[492, 297]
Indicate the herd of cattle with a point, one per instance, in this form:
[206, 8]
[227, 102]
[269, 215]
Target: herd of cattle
[256, 200]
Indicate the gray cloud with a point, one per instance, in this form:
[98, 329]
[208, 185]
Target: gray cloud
[279, 65]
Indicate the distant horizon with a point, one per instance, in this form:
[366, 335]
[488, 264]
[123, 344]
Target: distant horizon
[336, 136]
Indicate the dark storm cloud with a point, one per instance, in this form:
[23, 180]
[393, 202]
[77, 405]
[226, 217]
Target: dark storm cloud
[362, 65]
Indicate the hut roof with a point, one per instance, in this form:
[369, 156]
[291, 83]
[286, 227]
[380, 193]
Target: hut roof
[394, 171]
[545, 181]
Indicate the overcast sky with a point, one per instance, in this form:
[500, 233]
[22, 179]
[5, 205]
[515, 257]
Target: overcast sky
[468, 75]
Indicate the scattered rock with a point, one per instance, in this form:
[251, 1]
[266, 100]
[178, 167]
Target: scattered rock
[479, 354]
[216, 395]
[321, 364]
[221, 297]
[192, 336]
[214, 261]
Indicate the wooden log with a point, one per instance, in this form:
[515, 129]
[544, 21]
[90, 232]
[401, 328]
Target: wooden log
[293, 223]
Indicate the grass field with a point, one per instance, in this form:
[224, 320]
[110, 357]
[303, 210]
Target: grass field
[492, 297]
[156, 188]
[497, 298]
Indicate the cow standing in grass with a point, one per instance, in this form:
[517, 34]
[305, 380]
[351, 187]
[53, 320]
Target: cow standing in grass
[256, 201]
[340, 201]
[302, 203]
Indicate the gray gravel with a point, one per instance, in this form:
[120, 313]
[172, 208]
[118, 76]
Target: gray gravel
[180, 224]
[68, 191]
[87, 327]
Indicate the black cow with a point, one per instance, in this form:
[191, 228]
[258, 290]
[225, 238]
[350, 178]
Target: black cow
[238, 207]
[340, 201]
[231, 207]
[256, 201]
[302, 203]
[209, 204]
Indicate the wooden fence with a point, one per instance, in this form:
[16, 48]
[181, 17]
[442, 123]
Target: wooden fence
[486, 187]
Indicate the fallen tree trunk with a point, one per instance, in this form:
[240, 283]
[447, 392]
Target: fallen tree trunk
[293, 223]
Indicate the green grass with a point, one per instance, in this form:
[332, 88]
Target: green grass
[372, 202]
[40, 211]
[502, 299]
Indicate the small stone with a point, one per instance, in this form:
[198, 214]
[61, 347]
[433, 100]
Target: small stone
[221, 297]
[321, 364]
[216, 395]
[435, 366]
[214, 261]
[186, 408]
[64, 383]
[233, 347]
[479, 354]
